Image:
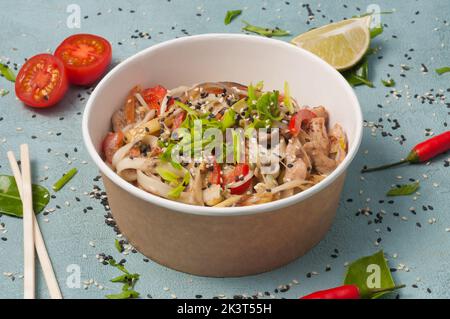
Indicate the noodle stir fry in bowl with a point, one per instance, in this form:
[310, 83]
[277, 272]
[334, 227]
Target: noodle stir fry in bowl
[275, 147]
[223, 178]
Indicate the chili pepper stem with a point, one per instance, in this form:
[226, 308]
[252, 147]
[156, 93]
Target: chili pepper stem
[378, 168]
[374, 291]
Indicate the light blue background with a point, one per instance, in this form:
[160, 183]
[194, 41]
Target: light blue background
[31, 27]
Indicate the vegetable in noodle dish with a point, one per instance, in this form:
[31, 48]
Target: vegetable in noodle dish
[270, 147]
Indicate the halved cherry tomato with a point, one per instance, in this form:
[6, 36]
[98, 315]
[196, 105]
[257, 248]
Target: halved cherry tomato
[85, 56]
[239, 171]
[111, 143]
[178, 120]
[154, 96]
[41, 81]
[215, 175]
[297, 120]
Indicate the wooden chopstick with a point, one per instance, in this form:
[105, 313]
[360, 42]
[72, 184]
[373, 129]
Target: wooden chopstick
[44, 258]
[28, 233]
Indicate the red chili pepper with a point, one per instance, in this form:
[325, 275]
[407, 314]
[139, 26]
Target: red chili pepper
[342, 292]
[346, 292]
[422, 152]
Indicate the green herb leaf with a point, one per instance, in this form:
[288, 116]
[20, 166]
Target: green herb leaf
[7, 72]
[443, 70]
[65, 179]
[118, 246]
[404, 190]
[125, 278]
[267, 32]
[128, 280]
[388, 83]
[10, 203]
[126, 294]
[3, 92]
[121, 267]
[231, 15]
[372, 270]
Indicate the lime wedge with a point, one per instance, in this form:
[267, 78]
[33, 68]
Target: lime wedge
[342, 44]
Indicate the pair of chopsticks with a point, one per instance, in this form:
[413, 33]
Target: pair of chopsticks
[32, 235]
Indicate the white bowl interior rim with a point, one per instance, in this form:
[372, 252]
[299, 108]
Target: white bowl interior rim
[223, 211]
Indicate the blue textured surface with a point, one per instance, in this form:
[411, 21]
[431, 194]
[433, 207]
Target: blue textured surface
[421, 254]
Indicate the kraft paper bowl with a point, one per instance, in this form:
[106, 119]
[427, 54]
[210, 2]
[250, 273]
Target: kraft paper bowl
[235, 241]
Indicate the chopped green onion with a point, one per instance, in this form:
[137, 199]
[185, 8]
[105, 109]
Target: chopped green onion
[176, 192]
[167, 175]
[443, 70]
[3, 92]
[287, 98]
[267, 32]
[251, 95]
[388, 83]
[374, 32]
[231, 15]
[262, 104]
[186, 108]
[65, 179]
[274, 110]
[229, 118]
[7, 72]
[239, 106]
[167, 156]
[259, 86]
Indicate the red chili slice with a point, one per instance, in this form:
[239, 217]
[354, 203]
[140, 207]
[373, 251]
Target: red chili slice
[240, 171]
